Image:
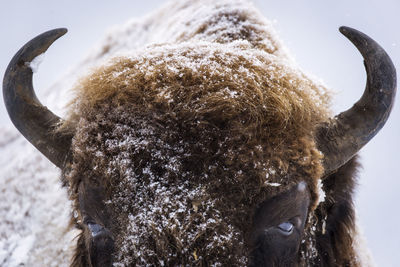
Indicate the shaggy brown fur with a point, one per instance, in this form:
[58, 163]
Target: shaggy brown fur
[187, 139]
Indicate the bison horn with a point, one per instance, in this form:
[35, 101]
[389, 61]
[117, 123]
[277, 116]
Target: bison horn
[32, 119]
[341, 137]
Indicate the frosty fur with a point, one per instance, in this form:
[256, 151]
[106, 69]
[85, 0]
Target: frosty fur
[187, 137]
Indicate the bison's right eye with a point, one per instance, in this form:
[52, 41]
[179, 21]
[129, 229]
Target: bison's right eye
[286, 228]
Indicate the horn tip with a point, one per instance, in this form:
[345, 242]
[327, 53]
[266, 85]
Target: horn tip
[343, 29]
[58, 32]
[346, 30]
[63, 30]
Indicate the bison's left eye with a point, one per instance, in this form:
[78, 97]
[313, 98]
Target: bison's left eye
[286, 228]
[278, 228]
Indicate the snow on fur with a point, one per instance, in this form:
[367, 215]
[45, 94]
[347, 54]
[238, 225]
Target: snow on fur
[201, 28]
[196, 119]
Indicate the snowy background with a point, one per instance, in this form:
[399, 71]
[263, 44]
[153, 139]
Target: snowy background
[309, 30]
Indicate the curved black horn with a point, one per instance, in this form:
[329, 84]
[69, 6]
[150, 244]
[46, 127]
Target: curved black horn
[343, 136]
[31, 118]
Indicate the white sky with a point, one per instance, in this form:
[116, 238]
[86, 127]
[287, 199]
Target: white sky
[309, 30]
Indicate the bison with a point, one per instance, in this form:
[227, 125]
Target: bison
[209, 149]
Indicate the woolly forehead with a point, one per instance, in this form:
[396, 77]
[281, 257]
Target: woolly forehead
[229, 99]
[208, 80]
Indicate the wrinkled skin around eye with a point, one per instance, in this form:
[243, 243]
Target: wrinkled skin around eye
[278, 228]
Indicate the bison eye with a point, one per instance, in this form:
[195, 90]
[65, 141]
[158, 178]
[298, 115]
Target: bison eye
[286, 228]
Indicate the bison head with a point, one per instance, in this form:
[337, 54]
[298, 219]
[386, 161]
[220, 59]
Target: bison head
[199, 172]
